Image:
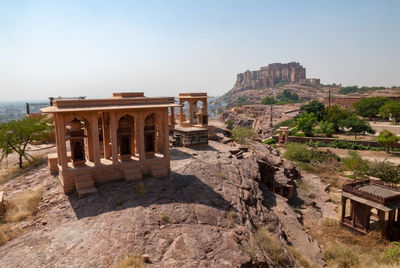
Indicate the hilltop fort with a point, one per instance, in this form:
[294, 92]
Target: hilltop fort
[270, 75]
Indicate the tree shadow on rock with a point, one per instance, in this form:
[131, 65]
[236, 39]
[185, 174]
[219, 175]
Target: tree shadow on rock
[120, 195]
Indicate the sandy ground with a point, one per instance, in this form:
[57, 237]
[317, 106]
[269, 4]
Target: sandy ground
[368, 155]
[34, 150]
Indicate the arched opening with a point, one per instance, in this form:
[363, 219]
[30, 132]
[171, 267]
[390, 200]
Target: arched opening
[185, 109]
[150, 135]
[202, 114]
[75, 130]
[126, 137]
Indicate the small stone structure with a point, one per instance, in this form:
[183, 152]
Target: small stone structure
[193, 129]
[283, 136]
[373, 204]
[126, 136]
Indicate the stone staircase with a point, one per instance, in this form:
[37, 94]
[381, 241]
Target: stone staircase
[84, 185]
[132, 174]
[158, 171]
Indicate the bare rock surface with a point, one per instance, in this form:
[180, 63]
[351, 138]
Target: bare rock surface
[204, 214]
[258, 116]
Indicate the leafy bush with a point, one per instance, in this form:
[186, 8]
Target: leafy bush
[298, 152]
[344, 145]
[270, 141]
[327, 128]
[384, 170]
[306, 122]
[268, 100]
[299, 134]
[324, 157]
[243, 135]
[392, 255]
[355, 163]
[229, 124]
[288, 96]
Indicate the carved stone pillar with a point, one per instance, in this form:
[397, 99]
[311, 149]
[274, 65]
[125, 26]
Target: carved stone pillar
[94, 134]
[141, 145]
[61, 137]
[114, 137]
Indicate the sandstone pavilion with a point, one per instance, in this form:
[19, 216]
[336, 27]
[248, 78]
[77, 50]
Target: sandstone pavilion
[126, 137]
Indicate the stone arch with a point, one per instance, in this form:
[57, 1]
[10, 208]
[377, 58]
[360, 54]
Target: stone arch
[126, 136]
[77, 130]
[151, 133]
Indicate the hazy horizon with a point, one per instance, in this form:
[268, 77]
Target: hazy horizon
[94, 48]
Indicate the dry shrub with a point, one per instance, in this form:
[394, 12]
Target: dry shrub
[272, 247]
[341, 256]
[22, 205]
[338, 241]
[7, 233]
[133, 260]
[300, 259]
[332, 231]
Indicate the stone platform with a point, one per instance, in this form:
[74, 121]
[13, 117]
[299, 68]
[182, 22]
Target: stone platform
[190, 136]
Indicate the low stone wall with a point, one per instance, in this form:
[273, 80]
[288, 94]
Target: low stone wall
[329, 140]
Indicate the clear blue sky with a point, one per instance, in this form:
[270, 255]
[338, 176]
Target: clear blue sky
[94, 48]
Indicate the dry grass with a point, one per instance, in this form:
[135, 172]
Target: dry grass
[231, 217]
[22, 205]
[301, 260]
[272, 247]
[343, 248]
[133, 260]
[18, 208]
[9, 173]
[141, 189]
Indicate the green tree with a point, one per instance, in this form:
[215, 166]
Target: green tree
[387, 139]
[288, 97]
[16, 135]
[306, 122]
[243, 135]
[369, 107]
[268, 100]
[335, 115]
[327, 128]
[391, 109]
[357, 126]
[315, 107]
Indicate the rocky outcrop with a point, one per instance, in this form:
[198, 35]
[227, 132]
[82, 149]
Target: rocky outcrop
[269, 76]
[206, 213]
[257, 117]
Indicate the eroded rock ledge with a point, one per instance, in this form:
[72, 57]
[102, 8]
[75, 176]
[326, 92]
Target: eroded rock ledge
[207, 213]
